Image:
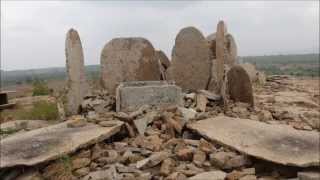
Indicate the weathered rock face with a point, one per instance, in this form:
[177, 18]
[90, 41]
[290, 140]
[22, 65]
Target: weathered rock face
[77, 86]
[132, 95]
[278, 144]
[164, 63]
[239, 86]
[128, 59]
[190, 66]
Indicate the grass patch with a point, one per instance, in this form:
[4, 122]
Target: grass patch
[41, 110]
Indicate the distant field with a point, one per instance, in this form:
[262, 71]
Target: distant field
[297, 65]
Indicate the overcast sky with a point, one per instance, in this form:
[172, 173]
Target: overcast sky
[33, 33]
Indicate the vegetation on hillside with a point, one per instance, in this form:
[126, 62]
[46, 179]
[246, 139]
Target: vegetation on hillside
[296, 65]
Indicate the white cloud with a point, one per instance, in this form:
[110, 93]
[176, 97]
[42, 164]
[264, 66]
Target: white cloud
[33, 33]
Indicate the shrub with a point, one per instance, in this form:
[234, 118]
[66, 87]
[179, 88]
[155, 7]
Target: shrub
[40, 88]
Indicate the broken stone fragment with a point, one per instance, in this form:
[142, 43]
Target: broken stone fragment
[153, 160]
[309, 175]
[81, 172]
[201, 103]
[128, 59]
[166, 166]
[77, 122]
[220, 159]
[176, 176]
[132, 95]
[212, 175]
[80, 163]
[199, 158]
[185, 154]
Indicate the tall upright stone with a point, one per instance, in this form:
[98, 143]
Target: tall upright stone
[190, 66]
[164, 63]
[77, 86]
[128, 59]
[220, 53]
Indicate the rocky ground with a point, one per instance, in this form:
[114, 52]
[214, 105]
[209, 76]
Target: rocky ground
[154, 142]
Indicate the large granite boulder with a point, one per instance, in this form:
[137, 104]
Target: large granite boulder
[77, 86]
[128, 59]
[190, 67]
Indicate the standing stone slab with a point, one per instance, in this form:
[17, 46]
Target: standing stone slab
[190, 66]
[77, 86]
[278, 144]
[132, 95]
[219, 65]
[128, 59]
[49, 143]
[239, 86]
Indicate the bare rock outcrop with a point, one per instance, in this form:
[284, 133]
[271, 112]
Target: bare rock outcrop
[77, 86]
[190, 66]
[128, 59]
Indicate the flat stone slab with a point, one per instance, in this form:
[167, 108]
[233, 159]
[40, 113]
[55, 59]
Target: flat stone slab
[132, 95]
[277, 144]
[49, 143]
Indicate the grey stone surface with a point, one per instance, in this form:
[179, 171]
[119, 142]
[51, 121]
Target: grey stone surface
[190, 66]
[49, 143]
[77, 86]
[132, 95]
[277, 144]
[309, 175]
[211, 175]
[128, 59]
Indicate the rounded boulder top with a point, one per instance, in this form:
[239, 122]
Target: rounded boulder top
[190, 66]
[128, 59]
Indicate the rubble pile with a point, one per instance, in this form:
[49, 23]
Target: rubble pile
[221, 123]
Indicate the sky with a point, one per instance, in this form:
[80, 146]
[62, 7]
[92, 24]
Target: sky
[33, 32]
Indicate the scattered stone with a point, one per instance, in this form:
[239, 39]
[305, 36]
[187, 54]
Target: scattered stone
[185, 154]
[190, 65]
[153, 160]
[201, 103]
[128, 59]
[212, 175]
[248, 177]
[76, 123]
[29, 175]
[166, 167]
[309, 175]
[82, 172]
[141, 123]
[80, 163]
[187, 113]
[108, 123]
[239, 86]
[77, 86]
[277, 144]
[176, 176]
[199, 157]
[220, 159]
[132, 95]
[210, 95]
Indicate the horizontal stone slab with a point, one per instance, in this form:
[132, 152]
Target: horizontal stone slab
[134, 94]
[49, 143]
[277, 144]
